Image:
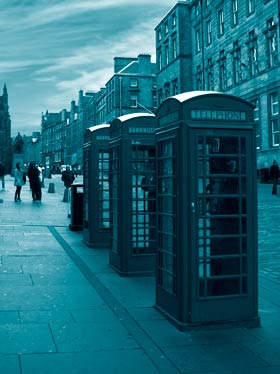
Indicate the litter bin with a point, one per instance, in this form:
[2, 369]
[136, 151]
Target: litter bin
[264, 175]
[77, 192]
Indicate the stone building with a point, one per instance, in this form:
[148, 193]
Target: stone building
[236, 50]
[32, 148]
[231, 46]
[5, 131]
[132, 87]
[174, 52]
[53, 130]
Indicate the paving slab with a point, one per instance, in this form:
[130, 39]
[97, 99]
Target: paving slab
[26, 338]
[102, 362]
[10, 364]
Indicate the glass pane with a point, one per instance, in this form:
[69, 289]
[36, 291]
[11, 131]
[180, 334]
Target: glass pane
[225, 246]
[220, 287]
[225, 266]
[143, 198]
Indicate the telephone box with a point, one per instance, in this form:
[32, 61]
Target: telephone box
[132, 194]
[207, 225]
[96, 215]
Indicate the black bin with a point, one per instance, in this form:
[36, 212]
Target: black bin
[264, 175]
[77, 194]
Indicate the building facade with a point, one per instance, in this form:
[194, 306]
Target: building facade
[53, 130]
[174, 52]
[5, 131]
[132, 88]
[32, 148]
[233, 48]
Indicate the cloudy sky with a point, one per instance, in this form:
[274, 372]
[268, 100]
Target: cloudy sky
[50, 49]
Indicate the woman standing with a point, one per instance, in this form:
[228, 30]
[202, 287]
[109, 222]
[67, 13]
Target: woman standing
[19, 181]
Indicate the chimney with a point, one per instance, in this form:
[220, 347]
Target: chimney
[121, 62]
[145, 66]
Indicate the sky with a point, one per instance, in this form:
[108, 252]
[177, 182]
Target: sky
[51, 49]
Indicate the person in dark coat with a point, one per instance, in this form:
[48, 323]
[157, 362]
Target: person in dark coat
[274, 174]
[2, 174]
[68, 177]
[33, 174]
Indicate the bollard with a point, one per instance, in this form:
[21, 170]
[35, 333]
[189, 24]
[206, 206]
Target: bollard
[51, 188]
[66, 197]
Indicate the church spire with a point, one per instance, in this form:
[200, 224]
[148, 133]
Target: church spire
[5, 98]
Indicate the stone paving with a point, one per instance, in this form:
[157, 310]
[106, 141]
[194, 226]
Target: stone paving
[63, 310]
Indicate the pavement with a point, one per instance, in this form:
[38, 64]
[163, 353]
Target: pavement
[63, 310]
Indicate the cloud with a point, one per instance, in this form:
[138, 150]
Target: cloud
[53, 48]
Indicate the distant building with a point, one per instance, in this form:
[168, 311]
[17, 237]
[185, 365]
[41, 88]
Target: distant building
[53, 132]
[132, 88]
[5, 131]
[32, 148]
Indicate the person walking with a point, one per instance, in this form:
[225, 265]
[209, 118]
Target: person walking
[33, 174]
[2, 174]
[19, 181]
[274, 174]
[68, 177]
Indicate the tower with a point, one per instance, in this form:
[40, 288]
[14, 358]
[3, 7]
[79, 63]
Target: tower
[5, 131]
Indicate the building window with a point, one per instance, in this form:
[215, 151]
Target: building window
[221, 24]
[133, 82]
[159, 35]
[166, 53]
[197, 8]
[197, 40]
[250, 6]
[173, 19]
[234, 12]
[256, 102]
[208, 2]
[154, 99]
[167, 89]
[271, 43]
[253, 53]
[209, 32]
[175, 86]
[159, 59]
[199, 85]
[166, 27]
[133, 101]
[236, 63]
[274, 118]
[222, 70]
[210, 75]
[174, 48]
[160, 96]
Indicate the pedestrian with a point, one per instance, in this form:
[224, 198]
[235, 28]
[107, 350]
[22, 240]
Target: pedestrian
[33, 174]
[68, 177]
[2, 174]
[19, 181]
[274, 174]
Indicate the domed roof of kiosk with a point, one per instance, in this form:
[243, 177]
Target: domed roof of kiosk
[191, 94]
[185, 96]
[98, 127]
[126, 117]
